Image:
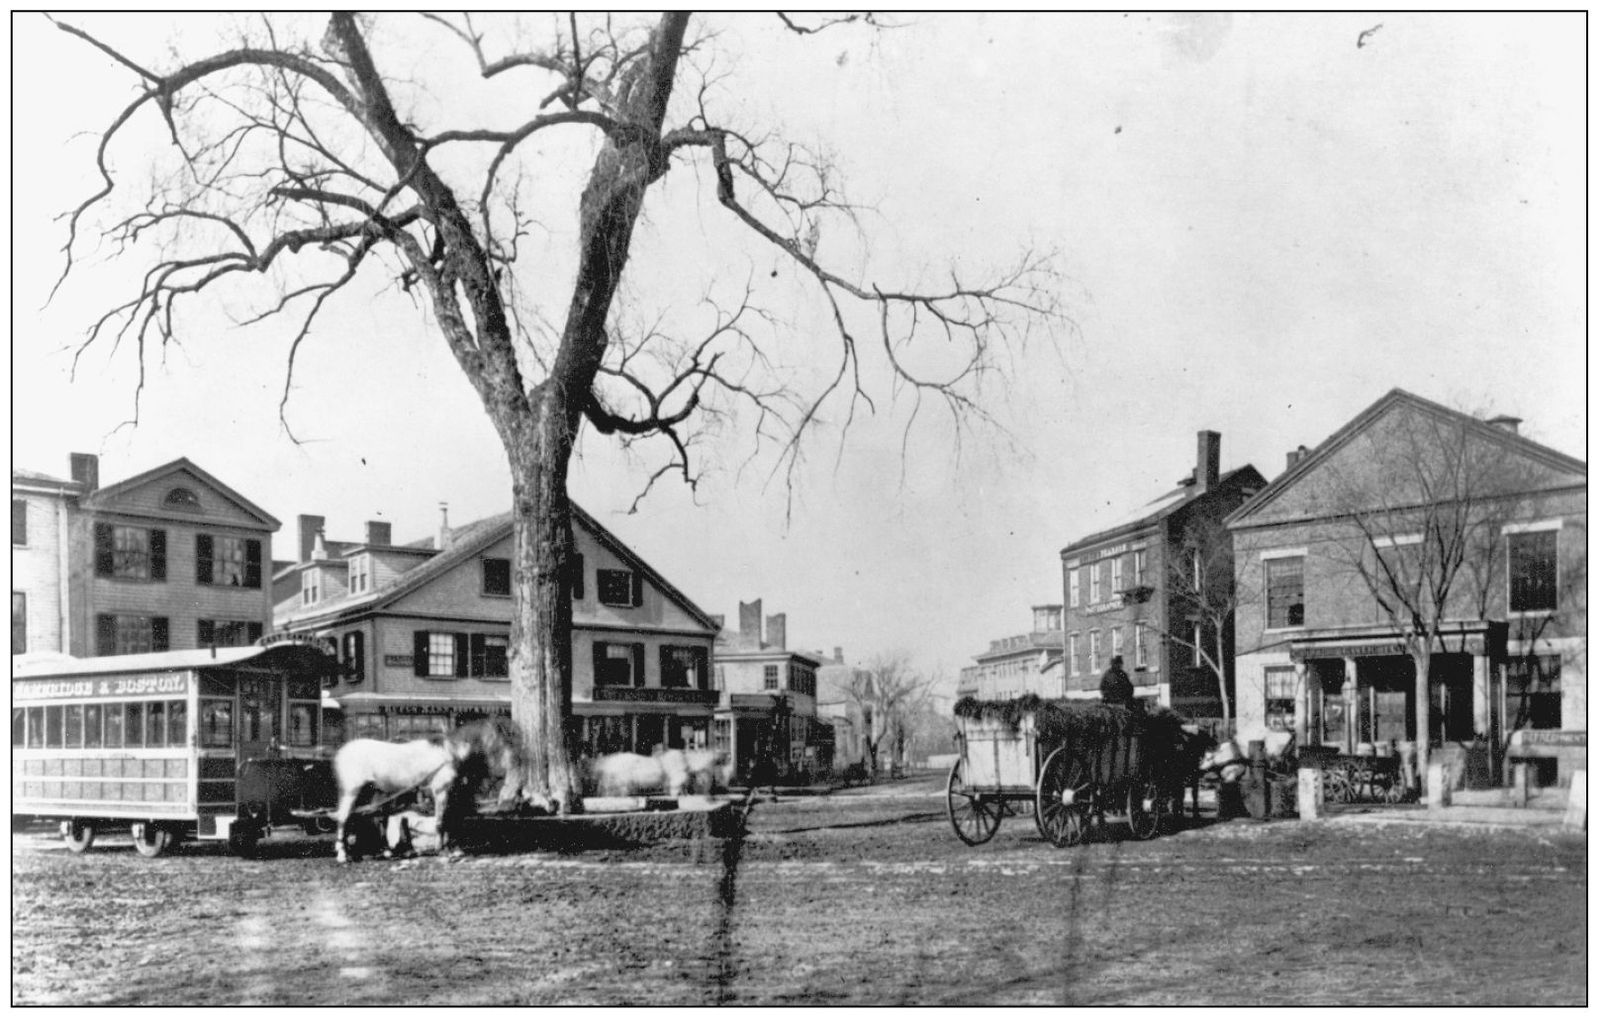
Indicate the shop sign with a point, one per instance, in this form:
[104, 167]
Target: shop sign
[66, 689]
[398, 660]
[1550, 737]
[636, 694]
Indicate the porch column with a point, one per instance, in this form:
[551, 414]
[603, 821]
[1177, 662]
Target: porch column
[1351, 703]
[1301, 704]
[1481, 701]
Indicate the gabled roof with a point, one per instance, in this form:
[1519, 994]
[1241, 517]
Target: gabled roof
[1395, 398]
[102, 497]
[1165, 505]
[468, 541]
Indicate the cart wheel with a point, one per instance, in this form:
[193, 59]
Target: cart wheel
[974, 820]
[1335, 786]
[1142, 809]
[1064, 799]
[150, 839]
[78, 834]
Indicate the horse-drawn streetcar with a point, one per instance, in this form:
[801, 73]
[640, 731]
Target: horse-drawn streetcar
[1073, 763]
[211, 744]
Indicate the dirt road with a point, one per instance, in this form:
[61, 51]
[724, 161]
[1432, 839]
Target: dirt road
[864, 897]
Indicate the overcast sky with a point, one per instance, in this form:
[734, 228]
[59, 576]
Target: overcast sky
[1263, 226]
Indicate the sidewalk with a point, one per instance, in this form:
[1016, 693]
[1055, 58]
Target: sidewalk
[1467, 815]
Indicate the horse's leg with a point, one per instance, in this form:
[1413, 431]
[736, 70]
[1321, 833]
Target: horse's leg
[348, 800]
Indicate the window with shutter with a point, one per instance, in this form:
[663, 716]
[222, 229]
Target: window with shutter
[204, 634]
[420, 652]
[105, 550]
[19, 521]
[459, 652]
[158, 634]
[615, 587]
[351, 652]
[158, 554]
[635, 589]
[105, 635]
[577, 571]
[497, 577]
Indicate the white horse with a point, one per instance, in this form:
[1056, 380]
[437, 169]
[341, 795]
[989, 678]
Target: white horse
[691, 770]
[395, 767]
[627, 774]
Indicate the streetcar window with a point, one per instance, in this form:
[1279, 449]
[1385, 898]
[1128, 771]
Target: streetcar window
[177, 723]
[92, 725]
[36, 727]
[303, 688]
[302, 730]
[133, 724]
[114, 726]
[52, 727]
[217, 723]
[19, 726]
[74, 724]
[156, 724]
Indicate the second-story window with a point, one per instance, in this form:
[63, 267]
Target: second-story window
[497, 576]
[1095, 593]
[620, 588]
[771, 676]
[228, 561]
[1284, 592]
[133, 553]
[1117, 575]
[1073, 585]
[1094, 650]
[683, 667]
[19, 521]
[1533, 573]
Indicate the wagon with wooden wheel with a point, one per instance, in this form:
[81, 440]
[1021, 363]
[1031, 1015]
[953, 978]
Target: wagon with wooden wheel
[1073, 763]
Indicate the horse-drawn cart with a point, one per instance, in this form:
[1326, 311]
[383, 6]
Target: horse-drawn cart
[1075, 763]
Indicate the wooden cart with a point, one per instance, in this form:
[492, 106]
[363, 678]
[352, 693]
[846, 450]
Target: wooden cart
[1075, 763]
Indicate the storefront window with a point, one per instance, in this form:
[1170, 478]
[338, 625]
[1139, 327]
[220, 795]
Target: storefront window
[92, 713]
[177, 723]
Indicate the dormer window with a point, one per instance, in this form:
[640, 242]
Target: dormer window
[360, 569]
[182, 498]
[311, 586]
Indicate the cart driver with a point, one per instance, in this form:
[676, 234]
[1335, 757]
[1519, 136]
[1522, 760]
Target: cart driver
[1115, 687]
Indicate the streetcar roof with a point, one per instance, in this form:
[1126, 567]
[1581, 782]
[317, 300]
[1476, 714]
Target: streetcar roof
[163, 661]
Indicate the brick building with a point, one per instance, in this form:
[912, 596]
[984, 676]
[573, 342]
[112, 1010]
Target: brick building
[171, 559]
[422, 632]
[1320, 650]
[1126, 591]
[1025, 663]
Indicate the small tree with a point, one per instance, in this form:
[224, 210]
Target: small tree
[303, 159]
[1204, 590]
[887, 695]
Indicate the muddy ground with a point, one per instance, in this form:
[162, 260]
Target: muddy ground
[863, 897]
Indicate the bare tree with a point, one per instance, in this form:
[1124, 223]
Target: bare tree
[887, 695]
[1204, 591]
[302, 160]
[1421, 528]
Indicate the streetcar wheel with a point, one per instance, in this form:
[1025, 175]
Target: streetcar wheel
[78, 834]
[150, 839]
[242, 840]
[974, 819]
[1142, 809]
[1064, 799]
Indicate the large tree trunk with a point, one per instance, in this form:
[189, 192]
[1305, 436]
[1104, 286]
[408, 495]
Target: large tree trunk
[541, 659]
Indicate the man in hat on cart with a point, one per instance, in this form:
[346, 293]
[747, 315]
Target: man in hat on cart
[1115, 687]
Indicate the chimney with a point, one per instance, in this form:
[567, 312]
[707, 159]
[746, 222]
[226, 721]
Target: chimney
[1207, 474]
[777, 631]
[1296, 456]
[752, 622]
[86, 470]
[1503, 421]
[443, 539]
[838, 655]
[378, 533]
[307, 529]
